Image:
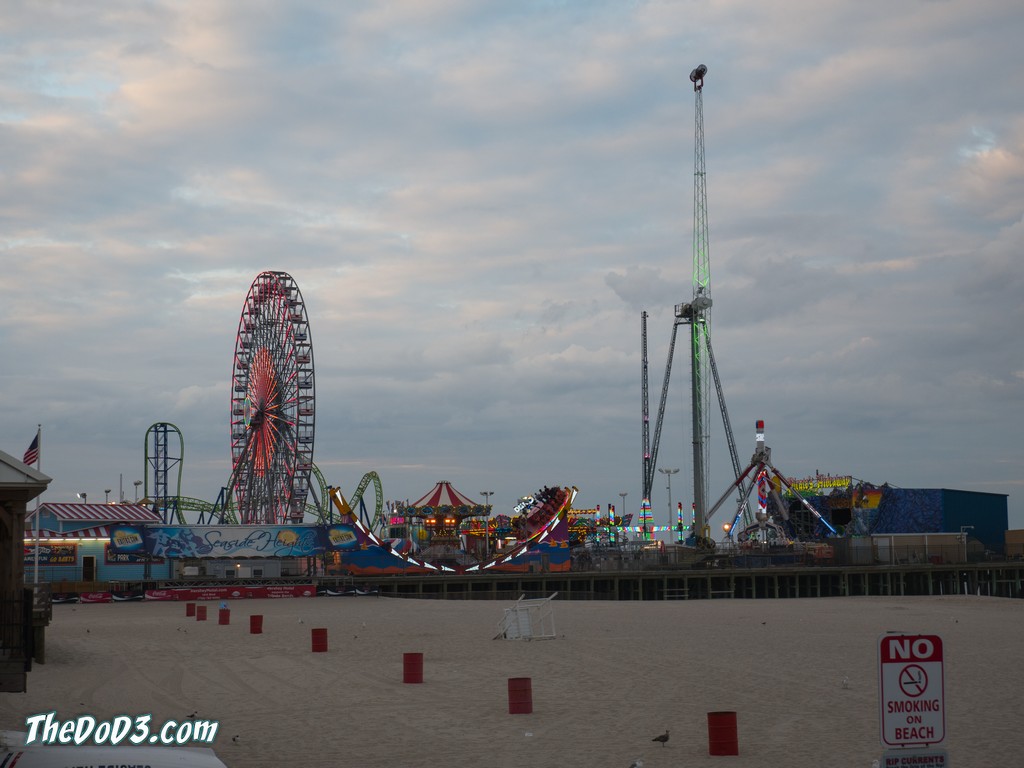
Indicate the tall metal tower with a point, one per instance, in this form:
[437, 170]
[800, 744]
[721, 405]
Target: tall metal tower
[645, 427]
[696, 314]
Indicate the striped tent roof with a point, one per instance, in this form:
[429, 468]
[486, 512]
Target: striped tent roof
[94, 532]
[443, 494]
[100, 513]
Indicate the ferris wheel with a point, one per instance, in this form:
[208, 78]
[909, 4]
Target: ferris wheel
[273, 404]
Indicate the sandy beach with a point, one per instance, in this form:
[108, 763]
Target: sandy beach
[616, 675]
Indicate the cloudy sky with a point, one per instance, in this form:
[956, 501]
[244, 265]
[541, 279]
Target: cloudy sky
[478, 200]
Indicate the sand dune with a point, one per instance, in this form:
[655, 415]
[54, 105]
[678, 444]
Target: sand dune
[617, 675]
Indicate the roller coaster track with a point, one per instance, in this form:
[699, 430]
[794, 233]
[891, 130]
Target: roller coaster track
[189, 504]
[222, 511]
[323, 500]
[357, 495]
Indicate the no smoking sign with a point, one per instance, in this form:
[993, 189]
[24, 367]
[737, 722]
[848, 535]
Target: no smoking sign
[911, 690]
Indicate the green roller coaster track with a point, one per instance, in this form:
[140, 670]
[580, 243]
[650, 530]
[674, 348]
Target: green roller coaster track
[357, 496]
[321, 511]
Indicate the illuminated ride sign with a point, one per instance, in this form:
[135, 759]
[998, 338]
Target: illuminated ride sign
[820, 482]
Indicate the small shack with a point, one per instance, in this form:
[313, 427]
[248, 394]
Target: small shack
[73, 550]
[19, 484]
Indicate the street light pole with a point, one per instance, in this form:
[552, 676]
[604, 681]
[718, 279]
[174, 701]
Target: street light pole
[84, 497]
[487, 529]
[106, 495]
[137, 483]
[668, 475]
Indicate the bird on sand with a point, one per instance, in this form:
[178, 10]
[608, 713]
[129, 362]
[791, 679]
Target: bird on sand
[638, 763]
[663, 738]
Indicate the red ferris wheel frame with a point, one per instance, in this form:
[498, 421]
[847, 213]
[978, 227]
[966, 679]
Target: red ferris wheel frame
[273, 404]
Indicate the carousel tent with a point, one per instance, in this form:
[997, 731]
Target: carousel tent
[444, 495]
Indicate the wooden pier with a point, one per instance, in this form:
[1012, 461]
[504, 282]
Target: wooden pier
[1001, 579]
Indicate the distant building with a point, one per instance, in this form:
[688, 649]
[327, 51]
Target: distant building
[864, 510]
[74, 546]
[19, 484]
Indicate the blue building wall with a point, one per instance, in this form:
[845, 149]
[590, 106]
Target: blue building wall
[105, 571]
[986, 512]
[942, 510]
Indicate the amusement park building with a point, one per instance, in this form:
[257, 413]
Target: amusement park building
[889, 510]
[74, 544]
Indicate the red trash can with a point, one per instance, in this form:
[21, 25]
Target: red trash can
[190, 609]
[256, 625]
[200, 613]
[722, 738]
[319, 640]
[412, 668]
[520, 696]
[224, 616]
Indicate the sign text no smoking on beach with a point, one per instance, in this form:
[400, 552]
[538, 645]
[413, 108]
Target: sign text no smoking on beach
[911, 690]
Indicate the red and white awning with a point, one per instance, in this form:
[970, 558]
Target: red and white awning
[100, 513]
[95, 532]
[443, 494]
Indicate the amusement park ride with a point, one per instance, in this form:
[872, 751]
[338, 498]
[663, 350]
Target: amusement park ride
[764, 529]
[274, 480]
[696, 313]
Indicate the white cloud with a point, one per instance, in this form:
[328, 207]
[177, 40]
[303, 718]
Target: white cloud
[478, 202]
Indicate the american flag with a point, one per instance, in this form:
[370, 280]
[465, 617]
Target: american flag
[32, 454]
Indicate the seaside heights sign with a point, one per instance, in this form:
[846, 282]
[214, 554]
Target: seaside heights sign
[911, 690]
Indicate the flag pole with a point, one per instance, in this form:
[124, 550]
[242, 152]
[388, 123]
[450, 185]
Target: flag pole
[39, 464]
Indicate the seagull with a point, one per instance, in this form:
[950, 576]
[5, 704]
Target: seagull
[638, 763]
[663, 738]
[235, 738]
[301, 621]
[193, 714]
[846, 681]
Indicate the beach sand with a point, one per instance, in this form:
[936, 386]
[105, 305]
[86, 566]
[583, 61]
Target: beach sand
[617, 675]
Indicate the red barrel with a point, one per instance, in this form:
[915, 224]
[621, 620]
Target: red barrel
[412, 668]
[319, 640]
[520, 695]
[722, 739]
[200, 613]
[224, 616]
[255, 625]
[190, 609]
